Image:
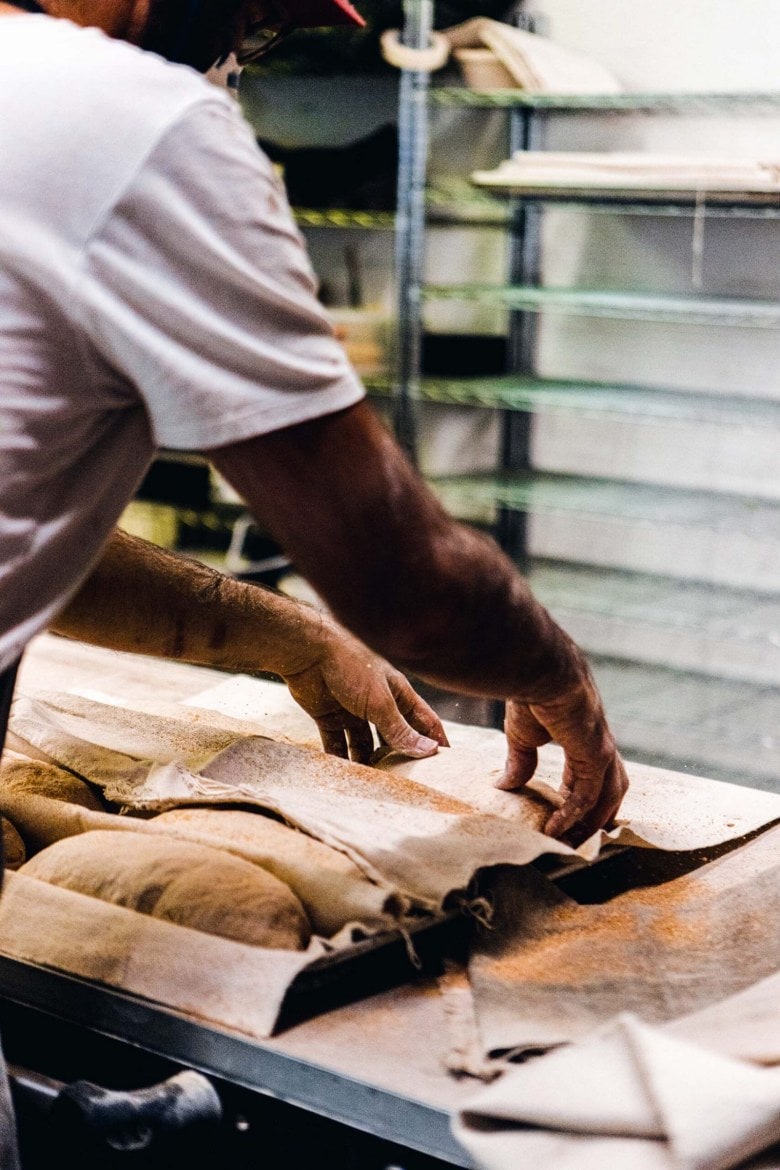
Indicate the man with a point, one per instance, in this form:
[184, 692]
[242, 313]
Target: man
[155, 292]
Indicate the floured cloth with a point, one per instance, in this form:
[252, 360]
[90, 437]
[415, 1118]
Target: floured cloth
[333, 890]
[628, 171]
[210, 979]
[441, 818]
[412, 839]
[534, 63]
[628, 1095]
[662, 809]
[551, 969]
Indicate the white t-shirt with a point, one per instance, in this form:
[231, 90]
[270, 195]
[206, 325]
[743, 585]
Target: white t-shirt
[154, 291]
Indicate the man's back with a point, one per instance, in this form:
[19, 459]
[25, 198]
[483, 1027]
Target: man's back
[155, 291]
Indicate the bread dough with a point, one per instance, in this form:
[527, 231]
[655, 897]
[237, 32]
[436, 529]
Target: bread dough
[14, 852]
[330, 885]
[41, 779]
[179, 881]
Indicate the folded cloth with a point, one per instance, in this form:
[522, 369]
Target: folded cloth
[230, 984]
[627, 1095]
[745, 1026]
[630, 170]
[535, 63]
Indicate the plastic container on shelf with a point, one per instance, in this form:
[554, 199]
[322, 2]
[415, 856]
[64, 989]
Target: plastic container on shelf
[365, 334]
[482, 70]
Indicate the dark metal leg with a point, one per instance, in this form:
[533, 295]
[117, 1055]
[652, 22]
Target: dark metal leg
[410, 226]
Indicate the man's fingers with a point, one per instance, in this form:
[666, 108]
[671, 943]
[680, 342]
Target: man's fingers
[361, 741]
[399, 734]
[524, 734]
[334, 740]
[603, 812]
[416, 711]
[590, 802]
[520, 767]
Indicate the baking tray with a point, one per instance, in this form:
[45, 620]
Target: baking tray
[376, 964]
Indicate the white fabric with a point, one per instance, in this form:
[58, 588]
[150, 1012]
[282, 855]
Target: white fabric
[154, 289]
[658, 1100]
[746, 1025]
[631, 170]
[534, 63]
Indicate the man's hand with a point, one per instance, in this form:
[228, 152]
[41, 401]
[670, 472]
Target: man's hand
[434, 597]
[347, 687]
[594, 779]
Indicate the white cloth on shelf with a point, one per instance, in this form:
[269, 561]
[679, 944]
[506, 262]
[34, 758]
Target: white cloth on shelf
[631, 171]
[535, 63]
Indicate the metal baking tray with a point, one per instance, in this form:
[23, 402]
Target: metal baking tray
[376, 964]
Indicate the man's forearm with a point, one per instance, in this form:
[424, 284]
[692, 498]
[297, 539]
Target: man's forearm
[145, 600]
[431, 595]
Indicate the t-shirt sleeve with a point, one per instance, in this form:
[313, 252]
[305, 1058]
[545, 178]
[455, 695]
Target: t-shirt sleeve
[197, 290]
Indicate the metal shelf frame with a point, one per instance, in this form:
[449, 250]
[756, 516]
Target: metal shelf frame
[519, 214]
[615, 305]
[652, 103]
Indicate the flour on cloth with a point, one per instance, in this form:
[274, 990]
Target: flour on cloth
[551, 969]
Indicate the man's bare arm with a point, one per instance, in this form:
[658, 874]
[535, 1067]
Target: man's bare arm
[433, 596]
[147, 601]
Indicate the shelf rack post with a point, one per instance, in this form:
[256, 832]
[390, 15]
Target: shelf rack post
[525, 133]
[410, 226]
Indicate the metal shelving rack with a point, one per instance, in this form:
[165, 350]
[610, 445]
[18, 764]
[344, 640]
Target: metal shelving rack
[520, 392]
[506, 499]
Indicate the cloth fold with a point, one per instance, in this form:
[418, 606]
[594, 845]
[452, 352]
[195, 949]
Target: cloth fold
[680, 1105]
[534, 63]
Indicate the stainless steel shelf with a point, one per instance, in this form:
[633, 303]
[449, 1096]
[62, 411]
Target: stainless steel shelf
[715, 727]
[651, 201]
[618, 305]
[539, 395]
[723, 633]
[687, 103]
[479, 496]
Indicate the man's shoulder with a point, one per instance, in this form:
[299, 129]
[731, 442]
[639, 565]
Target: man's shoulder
[86, 111]
[86, 79]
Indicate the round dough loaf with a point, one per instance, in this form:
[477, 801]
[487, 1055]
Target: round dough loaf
[179, 881]
[14, 852]
[332, 889]
[41, 779]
